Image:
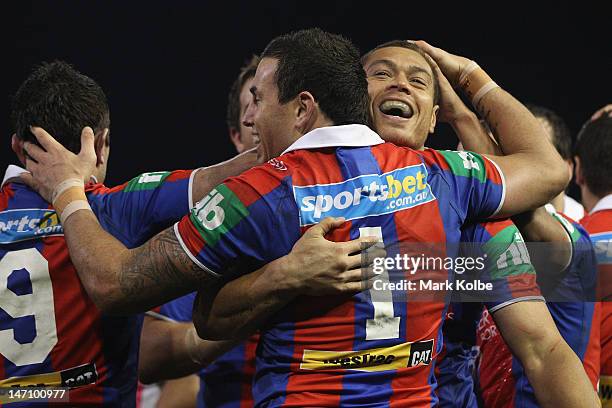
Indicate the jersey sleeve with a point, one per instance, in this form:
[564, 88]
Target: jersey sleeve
[506, 263]
[240, 225]
[144, 206]
[476, 183]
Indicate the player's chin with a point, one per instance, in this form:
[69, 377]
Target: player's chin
[401, 135]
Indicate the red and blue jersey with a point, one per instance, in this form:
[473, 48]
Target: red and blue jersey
[502, 378]
[227, 382]
[509, 269]
[344, 350]
[51, 332]
[599, 225]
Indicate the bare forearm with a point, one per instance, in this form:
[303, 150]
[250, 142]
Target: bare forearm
[473, 135]
[183, 353]
[208, 178]
[124, 281]
[559, 379]
[243, 305]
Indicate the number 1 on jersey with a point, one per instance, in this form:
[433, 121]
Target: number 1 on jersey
[384, 325]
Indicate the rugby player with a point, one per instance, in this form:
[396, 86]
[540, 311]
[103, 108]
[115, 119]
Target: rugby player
[575, 318]
[253, 218]
[594, 177]
[56, 329]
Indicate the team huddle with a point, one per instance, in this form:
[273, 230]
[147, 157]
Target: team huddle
[335, 261]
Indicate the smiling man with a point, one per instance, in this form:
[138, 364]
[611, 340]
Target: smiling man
[310, 106]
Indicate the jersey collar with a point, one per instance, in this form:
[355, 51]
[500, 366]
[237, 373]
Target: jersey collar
[12, 172]
[603, 204]
[337, 136]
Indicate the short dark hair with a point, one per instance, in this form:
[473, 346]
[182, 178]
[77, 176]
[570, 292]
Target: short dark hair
[415, 48]
[233, 99]
[326, 65]
[61, 100]
[594, 148]
[561, 135]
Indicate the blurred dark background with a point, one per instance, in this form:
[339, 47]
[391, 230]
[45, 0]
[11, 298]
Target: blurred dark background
[167, 67]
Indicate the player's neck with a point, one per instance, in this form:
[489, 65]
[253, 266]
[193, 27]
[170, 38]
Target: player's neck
[589, 200]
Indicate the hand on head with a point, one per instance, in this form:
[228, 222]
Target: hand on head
[53, 164]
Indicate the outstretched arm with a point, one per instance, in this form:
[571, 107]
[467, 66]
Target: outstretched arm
[529, 154]
[121, 280]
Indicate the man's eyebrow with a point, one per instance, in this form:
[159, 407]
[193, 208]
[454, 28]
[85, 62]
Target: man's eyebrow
[413, 69]
[383, 61]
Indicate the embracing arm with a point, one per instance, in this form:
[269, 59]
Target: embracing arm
[207, 178]
[529, 154]
[550, 364]
[183, 353]
[314, 267]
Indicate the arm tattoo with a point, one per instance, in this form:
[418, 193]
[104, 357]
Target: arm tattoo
[160, 270]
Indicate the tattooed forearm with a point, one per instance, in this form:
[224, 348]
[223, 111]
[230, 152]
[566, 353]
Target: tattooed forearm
[158, 271]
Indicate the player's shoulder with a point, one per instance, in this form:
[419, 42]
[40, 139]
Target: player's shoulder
[499, 229]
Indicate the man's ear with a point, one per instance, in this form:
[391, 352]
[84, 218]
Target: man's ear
[99, 145]
[307, 112]
[236, 139]
[434, 118]
[17, 146]
[578, 172]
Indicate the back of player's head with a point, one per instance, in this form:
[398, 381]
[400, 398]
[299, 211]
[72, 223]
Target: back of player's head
[61, 100]
[233, 100]
[326, 65]
[594, 149]
[415, 48]
[559, 131]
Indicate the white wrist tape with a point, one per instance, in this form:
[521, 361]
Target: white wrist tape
[65, 185]
[483, 91]
[467, 70]
[73, 207]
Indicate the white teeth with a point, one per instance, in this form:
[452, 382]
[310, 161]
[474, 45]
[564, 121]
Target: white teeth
[396, 108]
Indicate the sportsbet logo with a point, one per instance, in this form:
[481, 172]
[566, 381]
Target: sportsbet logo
[365, 195]
[380, 359]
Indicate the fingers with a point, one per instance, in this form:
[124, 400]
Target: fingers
[366, 258]
[325, 226]
[33, 151]
[45, 139]
[88, 149]
[432, 51]
[358, 245]
[605, 110]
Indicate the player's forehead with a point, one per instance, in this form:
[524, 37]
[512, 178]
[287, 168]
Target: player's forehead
[397, 57]
[265, 75]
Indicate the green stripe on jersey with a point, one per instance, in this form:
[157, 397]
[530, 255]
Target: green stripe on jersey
[217, 213]
[573, 232]
[507, 254]
[466, 164]
[147, 181]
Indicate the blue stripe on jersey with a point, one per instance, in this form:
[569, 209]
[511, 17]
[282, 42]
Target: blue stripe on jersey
[221, 382]
[352, 162]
